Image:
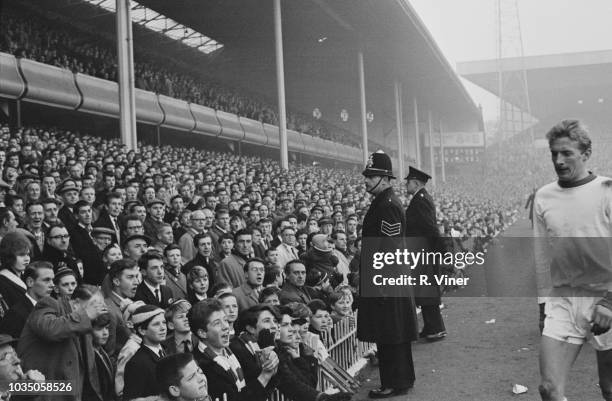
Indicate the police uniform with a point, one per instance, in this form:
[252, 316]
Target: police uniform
[421, 225]
[390, 322]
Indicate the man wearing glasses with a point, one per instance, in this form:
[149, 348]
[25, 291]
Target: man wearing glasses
[58, 253]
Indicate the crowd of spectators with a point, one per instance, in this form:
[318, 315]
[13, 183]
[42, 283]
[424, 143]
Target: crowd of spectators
[147, 251]
[56, 42]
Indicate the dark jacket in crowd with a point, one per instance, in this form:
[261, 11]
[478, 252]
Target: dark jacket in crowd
[57, 341]
[140, 374]
[11, 291]
[297, 377]
[143, 293]
[16, 317]
[61, 259]
[319, 260]
[291, 293]
[249, 360]
[222, 382]
[84, 248]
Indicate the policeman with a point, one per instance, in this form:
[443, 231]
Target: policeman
[421, 226]
[389, 321]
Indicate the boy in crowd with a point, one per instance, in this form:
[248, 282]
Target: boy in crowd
[197, 284]
[181, 339]
[150, 324]
[218, 362]
[104, 365]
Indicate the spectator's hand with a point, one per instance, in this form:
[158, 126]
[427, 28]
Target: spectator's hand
[34, 375]
[602, 316]
[271, 361]
[95, 307]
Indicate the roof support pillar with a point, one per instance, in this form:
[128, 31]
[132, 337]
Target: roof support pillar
[399, 121]
[125, 67]
[442, 162]
[362, 102]
[416, 133]
[280, 84]
[432, 164]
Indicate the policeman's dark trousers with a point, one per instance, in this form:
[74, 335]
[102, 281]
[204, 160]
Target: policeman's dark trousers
[395, 365]
[432, 319]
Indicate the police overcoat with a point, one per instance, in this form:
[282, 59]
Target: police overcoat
[421, 225]
[385, 320]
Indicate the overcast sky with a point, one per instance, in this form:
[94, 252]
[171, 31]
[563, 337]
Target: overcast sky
[465, 30]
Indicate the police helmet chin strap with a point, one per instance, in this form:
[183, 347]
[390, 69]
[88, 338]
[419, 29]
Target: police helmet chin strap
[376, 186]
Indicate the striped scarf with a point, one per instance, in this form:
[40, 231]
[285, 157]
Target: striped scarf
[228, 362]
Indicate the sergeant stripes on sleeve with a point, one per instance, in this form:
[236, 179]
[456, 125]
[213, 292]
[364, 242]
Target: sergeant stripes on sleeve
[389, 229]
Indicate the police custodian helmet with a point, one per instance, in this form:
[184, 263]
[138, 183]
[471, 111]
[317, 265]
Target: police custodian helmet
[379, 164]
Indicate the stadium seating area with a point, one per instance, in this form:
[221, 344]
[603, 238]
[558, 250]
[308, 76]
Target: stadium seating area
[54, 41]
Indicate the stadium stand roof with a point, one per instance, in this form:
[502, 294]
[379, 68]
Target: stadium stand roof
[560, 85]
[321, 40]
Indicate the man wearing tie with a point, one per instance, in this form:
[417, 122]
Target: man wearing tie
[109, 216]
[151, 291]
[286, 250]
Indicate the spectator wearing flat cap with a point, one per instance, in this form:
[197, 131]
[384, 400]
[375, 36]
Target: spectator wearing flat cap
[135, 246]
[69, 193]
[65, 282]
[10, 367]
[156, 208]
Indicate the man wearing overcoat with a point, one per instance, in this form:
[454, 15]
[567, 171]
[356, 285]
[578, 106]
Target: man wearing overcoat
[422, 232]
[388, 319]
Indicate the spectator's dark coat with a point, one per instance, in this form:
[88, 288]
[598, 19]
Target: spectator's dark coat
[57, 341]
[104, 220]
[16, 317]
[290, 293]
[61, 259]
[170, 345]
[84, 248]
[11, 291]
[143, 293]
[221, 382]
[140, 374]
[250, 363]
[297, 376]
[118, 330]
[176, 283]
[67, 217]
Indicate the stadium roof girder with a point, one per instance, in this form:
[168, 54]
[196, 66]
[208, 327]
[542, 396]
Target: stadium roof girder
[160, 23]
